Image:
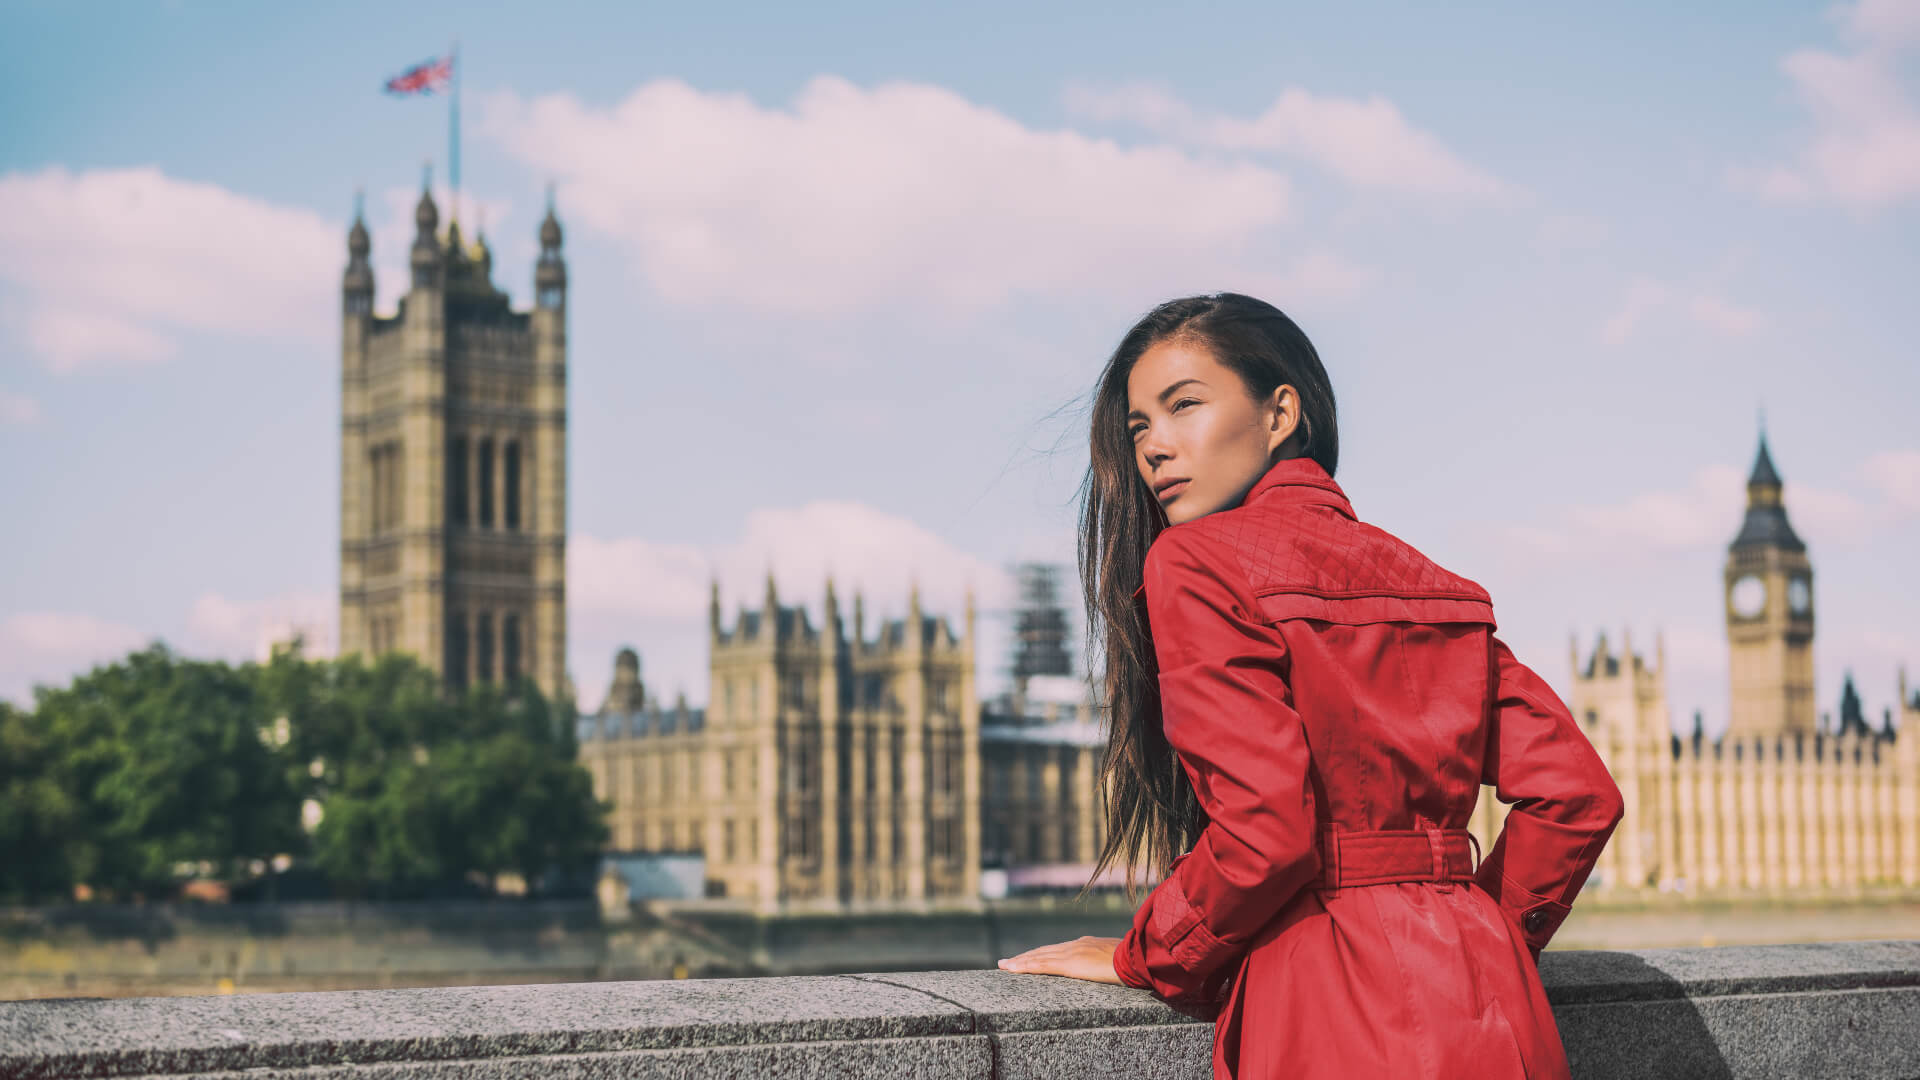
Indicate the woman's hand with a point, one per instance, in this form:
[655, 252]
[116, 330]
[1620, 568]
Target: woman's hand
[1089, 958]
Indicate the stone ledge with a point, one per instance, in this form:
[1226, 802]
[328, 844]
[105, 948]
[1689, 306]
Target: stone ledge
[1849, 1009]
[1576, 978]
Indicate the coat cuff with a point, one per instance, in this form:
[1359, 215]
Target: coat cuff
[1183, 931]
[1538, 917]
[1126, 966]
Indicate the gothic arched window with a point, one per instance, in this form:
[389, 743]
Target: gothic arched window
[457, 481]
[457, 650]
[510, 647]
[484, 473]
[386, 486]
[394, 485]
[377, 488]
[510, 465]
[483, 647]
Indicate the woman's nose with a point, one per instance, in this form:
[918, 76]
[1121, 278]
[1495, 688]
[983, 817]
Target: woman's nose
[1154, 450]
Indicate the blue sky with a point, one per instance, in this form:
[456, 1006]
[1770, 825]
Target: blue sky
[843, 273]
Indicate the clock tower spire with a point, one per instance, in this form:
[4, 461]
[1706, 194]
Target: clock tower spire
[1769, 593]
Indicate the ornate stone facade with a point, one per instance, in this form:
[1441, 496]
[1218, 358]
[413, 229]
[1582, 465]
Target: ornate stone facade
[828, 769]
[1769, 586]
[1042, 819]
[1774, 806]
[453, 462]
[1782, 813]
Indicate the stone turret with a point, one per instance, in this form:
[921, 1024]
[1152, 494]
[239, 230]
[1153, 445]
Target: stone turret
[550, 276]
[425, 258]
[627, 694]
[1620, 692]
[356, 284]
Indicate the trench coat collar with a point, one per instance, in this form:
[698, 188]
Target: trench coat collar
[1292, 482]
[1299, 480]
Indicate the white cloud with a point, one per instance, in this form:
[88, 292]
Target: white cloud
[861, 547]
[1890, 22]
[1829, 519]
[110, 266]
[1644, 295]
[241, 631]
[1706, 514]
[18, 410]
[1896, 475]
[68, 340]
[850, 197]
[653, 596]
[631, 576]
[51, 646]
[1647, 298]
[1570, 232]
[1879, 644]
[1728, 318]
[1696, 649]
[1315, 275]
[1367, 143]
[1864, 151]
[1700, 514]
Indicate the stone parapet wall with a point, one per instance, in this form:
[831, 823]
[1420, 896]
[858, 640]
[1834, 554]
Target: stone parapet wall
[1802, 1011]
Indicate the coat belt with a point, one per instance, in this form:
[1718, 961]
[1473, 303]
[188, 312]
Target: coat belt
[1350, 858]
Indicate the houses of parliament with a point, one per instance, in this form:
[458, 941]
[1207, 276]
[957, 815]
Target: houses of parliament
[1778, 804]
[836, 766]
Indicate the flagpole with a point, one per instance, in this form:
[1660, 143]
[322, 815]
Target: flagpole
[453, 131]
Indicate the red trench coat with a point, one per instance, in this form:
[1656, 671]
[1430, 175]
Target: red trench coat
[1337, 700]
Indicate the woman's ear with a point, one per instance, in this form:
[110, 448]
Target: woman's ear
[1283, 412]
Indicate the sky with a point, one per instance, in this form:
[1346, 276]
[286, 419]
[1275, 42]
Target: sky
[842, 277]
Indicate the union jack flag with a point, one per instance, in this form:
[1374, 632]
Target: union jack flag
[423, 78]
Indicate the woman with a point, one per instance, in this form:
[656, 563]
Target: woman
[1307, 707]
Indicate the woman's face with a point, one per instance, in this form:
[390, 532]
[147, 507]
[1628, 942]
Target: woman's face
[1200, 440]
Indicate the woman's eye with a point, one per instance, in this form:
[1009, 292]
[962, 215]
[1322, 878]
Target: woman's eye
[1184, 401]
[1134, 433]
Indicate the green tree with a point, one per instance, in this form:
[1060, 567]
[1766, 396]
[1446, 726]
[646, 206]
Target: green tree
[166, 761]
[38, 818]
[419, 787]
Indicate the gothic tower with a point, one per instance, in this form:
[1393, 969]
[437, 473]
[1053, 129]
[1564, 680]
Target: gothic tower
[1769, 593]
[849, 765]
[453, 463]
[1620, 698]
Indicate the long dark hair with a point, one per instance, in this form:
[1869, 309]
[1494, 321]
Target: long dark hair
[1152, 812]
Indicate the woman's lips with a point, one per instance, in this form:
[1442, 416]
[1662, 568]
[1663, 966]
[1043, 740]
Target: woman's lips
[1174, 489]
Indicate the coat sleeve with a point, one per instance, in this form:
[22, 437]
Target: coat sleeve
[1228, 712]
[1564, 803]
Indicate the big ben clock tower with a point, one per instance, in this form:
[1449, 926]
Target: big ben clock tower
[1769, 591]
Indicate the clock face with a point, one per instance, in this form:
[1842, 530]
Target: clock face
[1799, 596]
[1749, 596]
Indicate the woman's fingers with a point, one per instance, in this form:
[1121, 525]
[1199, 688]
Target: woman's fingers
[1084, 957]
[1031, 960]
[1040, 960]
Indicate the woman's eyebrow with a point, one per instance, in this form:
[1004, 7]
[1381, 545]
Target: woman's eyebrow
[1136, 414]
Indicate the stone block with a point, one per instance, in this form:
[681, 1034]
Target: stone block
[1805, 1012]
[197, 1034]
